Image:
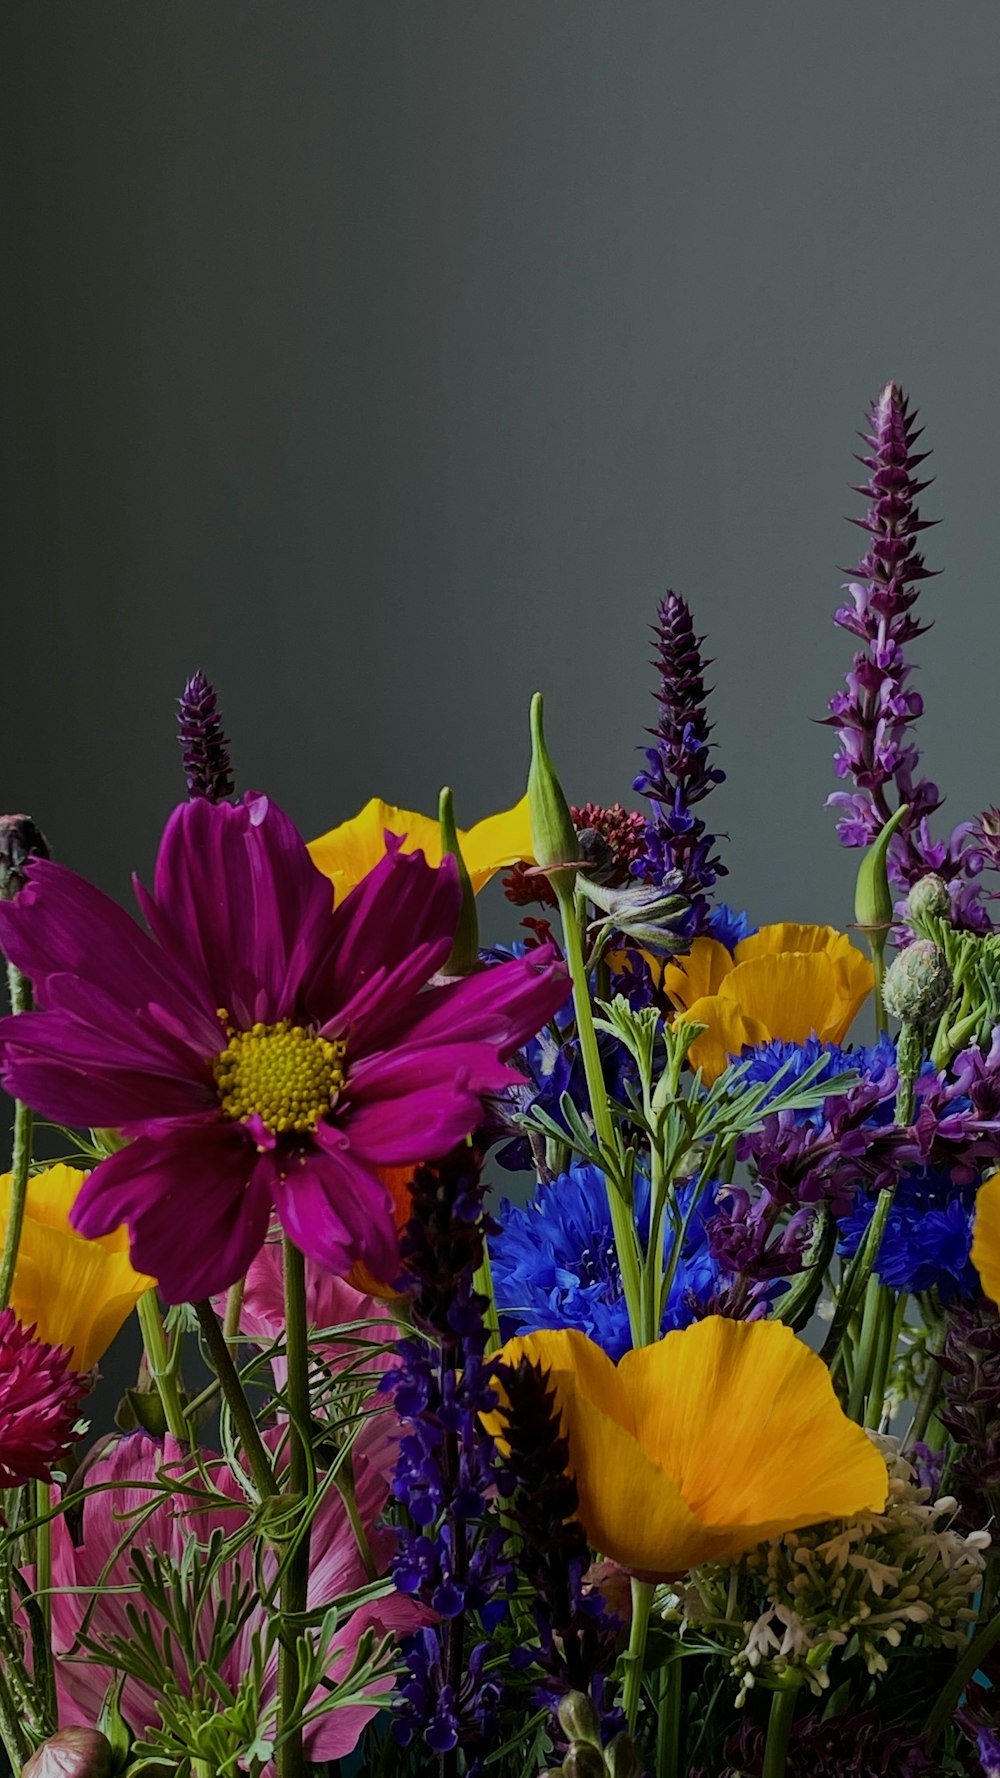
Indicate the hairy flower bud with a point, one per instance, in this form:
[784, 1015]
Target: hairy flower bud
[20, 841]
[918, 984]
[928, 899]
[72, 1753]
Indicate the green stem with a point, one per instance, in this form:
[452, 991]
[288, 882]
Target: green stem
[289, 1755]
[892, 1316]
[855, 1280]
[24, 1123]
[11, 1731]
[668, 1721]
[483, 1282]
[779, 1730]
[642, 1599]
[161, 1367]
[950, 1696]
[247, 1430]
[933, 1381]
[876, 944]
[621, 1218]
[871, 1332]
[43, 1588]
[234, 1310]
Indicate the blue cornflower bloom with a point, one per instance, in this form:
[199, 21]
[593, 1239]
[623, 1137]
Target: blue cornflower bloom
[927, 1238]
[729, 925]
[554, 1261]
[871, 1062]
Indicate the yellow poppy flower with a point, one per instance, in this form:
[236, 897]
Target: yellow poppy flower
[696, 1448]
[786, 981]
[986, 1237]
[78, 1293]
[348, 852]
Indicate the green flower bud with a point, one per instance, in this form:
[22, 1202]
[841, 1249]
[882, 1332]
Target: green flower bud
[584, 1761]
[464, 956]
[872, 895]
[928, 899]
[578, 1719]
[918, 985]
[651, 915]
[621, 1758]
[553, 836]
[72, 1753]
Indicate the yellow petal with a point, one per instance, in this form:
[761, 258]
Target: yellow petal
[986, 1237]
[744, 1418]
[787, 935]
[729, 1029]
[78, 1293]
[348, 852]
[793, 995]
[698, 974]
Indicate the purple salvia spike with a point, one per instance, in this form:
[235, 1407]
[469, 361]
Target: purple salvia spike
[874, 716]
[678, 773]
[207, 767]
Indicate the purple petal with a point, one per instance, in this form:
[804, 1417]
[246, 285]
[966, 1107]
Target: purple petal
[334, 1209]
[399, 907]
[504, 1005]
[57, 1065]
[197, 1207]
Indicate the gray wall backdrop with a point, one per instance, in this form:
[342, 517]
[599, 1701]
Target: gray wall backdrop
[389, 359]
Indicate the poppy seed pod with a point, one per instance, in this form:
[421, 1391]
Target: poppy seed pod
[553, 837]
[918, 984]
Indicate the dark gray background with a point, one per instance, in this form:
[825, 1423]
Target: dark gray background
[388, 360]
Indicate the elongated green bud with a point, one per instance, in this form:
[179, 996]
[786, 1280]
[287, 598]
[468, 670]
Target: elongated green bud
[578, 1719]
[872, 894]
[622, 1759]
[464, 956]
[553, 836]
[584, 1761]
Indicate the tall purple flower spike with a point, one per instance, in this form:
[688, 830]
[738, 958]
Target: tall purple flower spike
[207, 769]
[874, 716]
[677, 774]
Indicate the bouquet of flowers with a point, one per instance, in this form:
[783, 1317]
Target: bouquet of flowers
[686, 1466]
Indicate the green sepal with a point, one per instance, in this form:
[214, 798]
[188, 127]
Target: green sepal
[464, 957]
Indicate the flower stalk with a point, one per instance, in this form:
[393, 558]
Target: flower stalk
[295, 1585]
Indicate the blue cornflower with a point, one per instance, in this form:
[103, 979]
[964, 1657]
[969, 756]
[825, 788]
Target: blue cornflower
[554, 1261]
[927, 1237]
[729, 925]
[871, 1062]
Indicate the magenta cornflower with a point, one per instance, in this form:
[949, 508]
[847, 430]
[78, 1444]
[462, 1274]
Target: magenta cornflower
[260, 1049]
[39, 1397]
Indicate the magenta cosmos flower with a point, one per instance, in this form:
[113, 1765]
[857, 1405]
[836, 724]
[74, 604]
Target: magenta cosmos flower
[260, 1049]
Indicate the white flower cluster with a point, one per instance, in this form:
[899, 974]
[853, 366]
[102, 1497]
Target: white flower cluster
[874, 1579]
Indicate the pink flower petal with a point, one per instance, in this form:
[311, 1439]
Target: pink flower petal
[335, 1210]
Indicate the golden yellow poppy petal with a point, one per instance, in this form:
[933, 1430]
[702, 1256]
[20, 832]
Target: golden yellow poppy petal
[986, 1237]
[698, 974]
[743, 1416]
[78, 1293]
[496, 842]
[793, 995]
[729, 1029]
[348, 852]
[855, 979]
[788, 935]
[630, 1510]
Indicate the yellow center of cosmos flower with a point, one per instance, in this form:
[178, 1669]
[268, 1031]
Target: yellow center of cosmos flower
[283, 1074]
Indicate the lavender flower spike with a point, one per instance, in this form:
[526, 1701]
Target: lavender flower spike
[207, 768]
[678, 774]
[874, 716]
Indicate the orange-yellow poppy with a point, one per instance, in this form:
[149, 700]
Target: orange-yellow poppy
[986, 1237]
[348, 852]
[78, 1293]
[398, 1180]
[786, 981]
[704, 1444]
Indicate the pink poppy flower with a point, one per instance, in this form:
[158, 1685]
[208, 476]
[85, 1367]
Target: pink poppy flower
[261, 1049]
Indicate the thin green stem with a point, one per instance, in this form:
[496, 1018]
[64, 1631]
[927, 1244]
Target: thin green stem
[483, 1282]
[779, 1731]
[867, 1348]
[43, 1588]
[668, 1720]
[20, 1001]
[621, 1217]
[932, 1385]
[11, 1730]
[161, 1366]
[642, 1599]
[234, 1310]
[892, 1316]
[948, 1700]
[246, 1426]
[289, 1754]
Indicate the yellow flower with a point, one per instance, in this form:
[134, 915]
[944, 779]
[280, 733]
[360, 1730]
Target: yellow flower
[697, 1448]
[348, 852]
[786, 981]
[79, 1293]
[986, 1237]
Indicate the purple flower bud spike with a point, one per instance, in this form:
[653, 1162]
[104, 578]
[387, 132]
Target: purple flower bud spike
[207, 768]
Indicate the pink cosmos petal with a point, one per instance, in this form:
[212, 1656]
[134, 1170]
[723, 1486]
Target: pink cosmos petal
[421, 1124]
[400, 906]
[412, 1068]
[330, 1303]
[334, 1209]
[82, 1092]
[60, 925]
[336, 1735]
[503, 1005]
[385, 999]
[196, 1205]
[236, 891]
